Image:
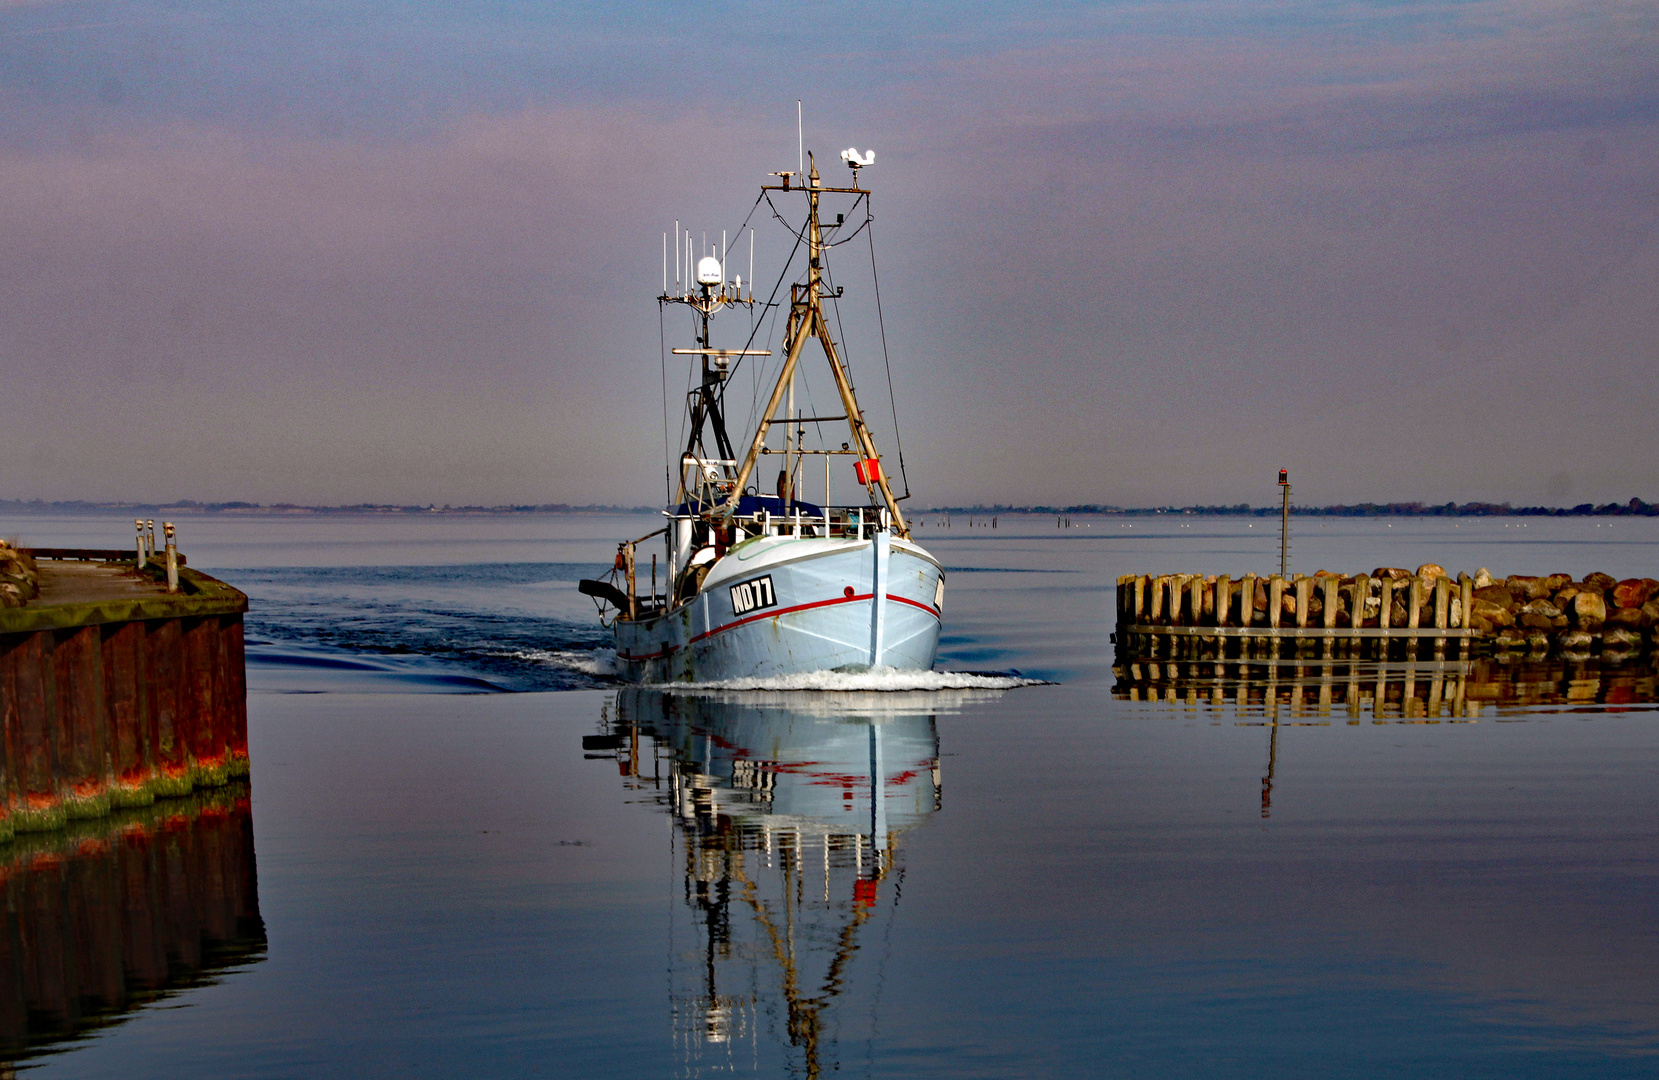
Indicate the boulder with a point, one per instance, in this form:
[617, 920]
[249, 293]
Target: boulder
[1540, 607]
[1496, 594]
[10, 595]
[1538, 642]
[1575, 643]
[1588, 611]
[1483, 578]
[1392, 572]
[1481, 625]
[1630, 618]
[1564, 596]
[1621, 639]
[1536, 621]
[1631, 593]
[1651, 610]
[1527, 588]
[1557, 582]
[1599, 581]
[1560, 622]
[1494, 615]
[1431, 570]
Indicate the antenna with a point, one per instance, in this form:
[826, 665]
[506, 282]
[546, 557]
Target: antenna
[752, 268]
[676, 255]
[800, 141]
[665, 264]
[722, 258]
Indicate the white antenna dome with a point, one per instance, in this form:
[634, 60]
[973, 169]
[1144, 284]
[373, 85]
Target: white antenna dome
[852, 157]
[708, 271]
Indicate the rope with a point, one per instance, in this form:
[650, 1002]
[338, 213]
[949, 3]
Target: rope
[882, 322]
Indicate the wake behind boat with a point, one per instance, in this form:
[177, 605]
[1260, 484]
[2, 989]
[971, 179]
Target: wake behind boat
[770, 585]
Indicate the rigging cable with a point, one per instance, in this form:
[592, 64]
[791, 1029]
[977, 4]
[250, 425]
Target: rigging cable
[869, 220]
[667, 448]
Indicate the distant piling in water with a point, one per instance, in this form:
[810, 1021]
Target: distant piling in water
[1389, 610]
[121, 681]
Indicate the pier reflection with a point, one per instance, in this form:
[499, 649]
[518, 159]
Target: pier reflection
[789, 811]
[106, 917]
[1409, 691]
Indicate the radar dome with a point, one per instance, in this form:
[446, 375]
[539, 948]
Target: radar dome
[708, 271]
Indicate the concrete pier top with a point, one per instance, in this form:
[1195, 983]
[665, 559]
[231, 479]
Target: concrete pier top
[90, 592]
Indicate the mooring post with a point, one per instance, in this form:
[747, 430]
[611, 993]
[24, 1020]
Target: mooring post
[1275, 600]
[172, 557]
[150, 537]
[1284, 525]
[139, 557]
[1330, 586]
[1223, 598]
[1304, 590]
[1247, 602]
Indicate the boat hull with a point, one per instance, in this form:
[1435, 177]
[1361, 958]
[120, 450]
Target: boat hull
[781, 606]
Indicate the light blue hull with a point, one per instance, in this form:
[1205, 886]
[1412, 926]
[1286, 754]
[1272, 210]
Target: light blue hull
[780, 606]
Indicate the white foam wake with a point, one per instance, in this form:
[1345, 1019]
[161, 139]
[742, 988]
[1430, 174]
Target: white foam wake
[587, 661]
[880, 679]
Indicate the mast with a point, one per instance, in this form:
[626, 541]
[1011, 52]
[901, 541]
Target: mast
[710, 295]
[806, 320]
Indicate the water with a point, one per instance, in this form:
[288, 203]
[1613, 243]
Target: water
[1058, 881]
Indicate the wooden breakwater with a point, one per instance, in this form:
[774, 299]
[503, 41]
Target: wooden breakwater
[113, 690]
[1391, 610]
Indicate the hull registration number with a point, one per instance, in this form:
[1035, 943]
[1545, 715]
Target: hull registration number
[753, 595]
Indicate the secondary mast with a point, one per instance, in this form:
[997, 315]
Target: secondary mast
[710, 296]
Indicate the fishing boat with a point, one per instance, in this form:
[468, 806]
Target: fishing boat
[761, 585]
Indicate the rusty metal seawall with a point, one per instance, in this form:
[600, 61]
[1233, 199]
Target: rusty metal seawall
[114, 692]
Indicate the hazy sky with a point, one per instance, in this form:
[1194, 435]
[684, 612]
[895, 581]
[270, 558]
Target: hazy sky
[1130, 252]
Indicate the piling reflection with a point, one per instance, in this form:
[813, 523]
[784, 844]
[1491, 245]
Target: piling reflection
[1421, 691]
[106, 917]
[789, 812]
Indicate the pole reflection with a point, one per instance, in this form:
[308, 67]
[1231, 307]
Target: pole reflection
[789, 810]
[109, 916]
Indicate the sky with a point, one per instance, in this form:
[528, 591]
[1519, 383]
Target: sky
[1135, 253]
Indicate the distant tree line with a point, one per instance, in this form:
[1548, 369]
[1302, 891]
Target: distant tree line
[1633, 508]
[79, 506]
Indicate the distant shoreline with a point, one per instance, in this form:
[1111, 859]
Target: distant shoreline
[1632, 508]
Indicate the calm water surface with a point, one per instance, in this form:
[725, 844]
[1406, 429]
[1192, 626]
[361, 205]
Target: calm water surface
[577, 880]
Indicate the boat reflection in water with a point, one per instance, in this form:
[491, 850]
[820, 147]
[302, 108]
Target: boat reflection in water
[107, 916]
[786, 858]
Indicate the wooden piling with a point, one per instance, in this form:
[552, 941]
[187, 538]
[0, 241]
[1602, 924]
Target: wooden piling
[131, 754]
[83, 722]
[1275, 600]
[1304, 591]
